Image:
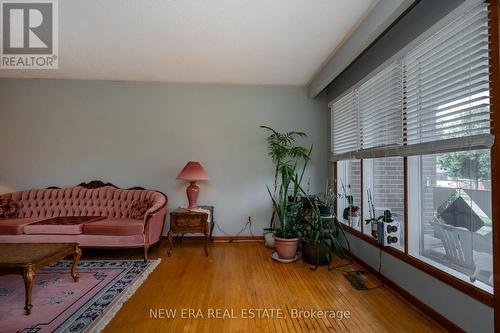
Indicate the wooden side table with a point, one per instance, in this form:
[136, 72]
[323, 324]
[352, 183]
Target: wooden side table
[183, 221]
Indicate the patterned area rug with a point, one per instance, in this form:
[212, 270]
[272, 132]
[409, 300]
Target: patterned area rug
[62, 305]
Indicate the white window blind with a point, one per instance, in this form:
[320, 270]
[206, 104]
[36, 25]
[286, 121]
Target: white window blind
[434, 99]
[380, 108]
[447, 83]
[344, 118]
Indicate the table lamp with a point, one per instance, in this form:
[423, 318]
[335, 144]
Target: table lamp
[193, 171]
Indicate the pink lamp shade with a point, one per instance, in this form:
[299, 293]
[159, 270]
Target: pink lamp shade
[193, 171]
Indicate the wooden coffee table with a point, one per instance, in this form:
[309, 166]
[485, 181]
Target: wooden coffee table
[26, 258]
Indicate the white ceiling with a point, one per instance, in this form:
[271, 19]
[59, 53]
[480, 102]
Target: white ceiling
[210, 41]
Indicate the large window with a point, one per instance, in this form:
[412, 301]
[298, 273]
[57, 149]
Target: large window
[451, 203]
[449, 193]
[419, 130]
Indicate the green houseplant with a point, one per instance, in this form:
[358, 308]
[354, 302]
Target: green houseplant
[325, 204]
[281, 149]
[288, 207]
[373, 220]
[320, 237]
[351, 213]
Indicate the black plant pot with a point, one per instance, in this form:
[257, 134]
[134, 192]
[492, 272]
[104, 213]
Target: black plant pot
[307, 203]
[315, 254]
[325, 210]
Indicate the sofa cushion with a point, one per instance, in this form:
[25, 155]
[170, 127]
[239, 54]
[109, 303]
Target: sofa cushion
[8, 209]
[116, 227]
[15, 226]
[62, 225]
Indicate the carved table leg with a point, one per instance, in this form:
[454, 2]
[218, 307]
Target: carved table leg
[28, 276]
[76, 258]
[171, 241]
[211, 231]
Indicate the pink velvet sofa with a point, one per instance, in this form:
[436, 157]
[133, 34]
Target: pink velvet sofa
[112, 227]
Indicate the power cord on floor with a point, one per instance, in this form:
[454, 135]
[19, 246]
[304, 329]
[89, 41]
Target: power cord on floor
[354, 275]
[354, 281]
[233, 238]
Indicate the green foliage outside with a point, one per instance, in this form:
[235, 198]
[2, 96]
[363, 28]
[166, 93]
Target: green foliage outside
[474, 165]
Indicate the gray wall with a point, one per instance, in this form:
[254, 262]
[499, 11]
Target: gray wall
[466, 312]
[62, 132]
[458, 307]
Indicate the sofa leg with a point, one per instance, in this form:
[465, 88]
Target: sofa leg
[146, 247]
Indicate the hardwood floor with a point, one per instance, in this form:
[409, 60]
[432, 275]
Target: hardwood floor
[242, 276]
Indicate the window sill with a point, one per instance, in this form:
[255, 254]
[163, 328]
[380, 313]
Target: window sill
[473, 291]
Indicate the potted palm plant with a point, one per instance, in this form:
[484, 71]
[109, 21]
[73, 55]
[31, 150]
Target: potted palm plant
[281, 147]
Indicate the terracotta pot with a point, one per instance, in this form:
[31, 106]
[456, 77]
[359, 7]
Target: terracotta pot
[286, 248]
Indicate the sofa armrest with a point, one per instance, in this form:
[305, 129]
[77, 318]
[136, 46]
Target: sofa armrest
[154, 221]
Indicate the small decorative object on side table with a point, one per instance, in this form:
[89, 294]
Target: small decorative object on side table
[185, 221]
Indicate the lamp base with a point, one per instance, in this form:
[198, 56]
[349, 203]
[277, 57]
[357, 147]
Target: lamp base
[192, 192]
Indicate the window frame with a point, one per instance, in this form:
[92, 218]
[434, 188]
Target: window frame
[455, 282]
[494, 52]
